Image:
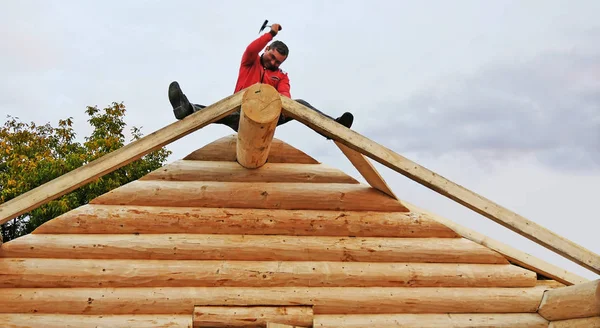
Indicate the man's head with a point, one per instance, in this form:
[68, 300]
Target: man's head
[275, 54]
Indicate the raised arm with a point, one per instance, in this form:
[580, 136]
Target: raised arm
[255, 47]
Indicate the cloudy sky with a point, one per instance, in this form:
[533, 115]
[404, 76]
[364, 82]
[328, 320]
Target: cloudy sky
[502, 97]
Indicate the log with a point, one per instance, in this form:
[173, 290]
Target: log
[366, 169]
[458, 320]
[108, 219]
[571, 302]
[50, 320]
[281, 325]
[326, 300]
[268, 195]
[185, 170]
[118, 158]
[443, 186]
[252, 316]
[514, 255]
[261, 107]
[591, 322]
[251, 247]
[224, 149]
[47, 273]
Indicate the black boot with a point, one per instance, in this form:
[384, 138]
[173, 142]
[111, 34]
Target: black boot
[180, 103]
[346, 119]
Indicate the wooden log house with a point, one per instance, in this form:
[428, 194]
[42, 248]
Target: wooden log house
[249, 231]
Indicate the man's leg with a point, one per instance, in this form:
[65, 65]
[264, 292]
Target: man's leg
[182, 107]
[346, 119]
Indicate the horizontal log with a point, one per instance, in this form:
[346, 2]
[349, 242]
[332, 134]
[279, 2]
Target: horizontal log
[185, 170]
[108, 219]
[251, 247]
[270, 195]
[224, 149]
[572, 302]
[47, 273]
[591, 322]
[280, 325]
[36, 320]
[251, 316]
[512, 254]
[326, 300]
[458, 320]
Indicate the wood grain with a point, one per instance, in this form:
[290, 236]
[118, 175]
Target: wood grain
[47, 273]
[224, 149]
[274, 195]
[251, 247]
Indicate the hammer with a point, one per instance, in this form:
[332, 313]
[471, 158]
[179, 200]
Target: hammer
[265, 25]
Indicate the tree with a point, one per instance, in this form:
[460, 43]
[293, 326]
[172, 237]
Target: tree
[31, 155]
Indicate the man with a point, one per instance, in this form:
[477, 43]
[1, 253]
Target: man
[254, 68]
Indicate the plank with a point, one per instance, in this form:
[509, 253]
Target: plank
[186, 170]
[56, 320]
[443, 186]
[366, 169]
[118, 158]
[514, 255]
[251, 316]
[109, 219]
[454, 320]
[261, 108]
[48, 273]
[326, 300]
[224, 149]
[251, 247]
[571, 302]
[268, 195]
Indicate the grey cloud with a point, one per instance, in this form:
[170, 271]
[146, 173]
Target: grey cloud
[547, 107]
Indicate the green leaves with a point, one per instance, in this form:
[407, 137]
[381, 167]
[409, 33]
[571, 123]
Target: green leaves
[31, 155]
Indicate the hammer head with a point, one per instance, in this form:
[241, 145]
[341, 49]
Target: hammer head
[263, 25]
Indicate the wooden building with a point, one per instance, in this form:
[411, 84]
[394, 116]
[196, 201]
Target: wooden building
[249, 231]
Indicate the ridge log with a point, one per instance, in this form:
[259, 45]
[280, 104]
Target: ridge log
[261, 107]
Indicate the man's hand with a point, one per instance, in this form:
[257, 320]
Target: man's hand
[275, 28]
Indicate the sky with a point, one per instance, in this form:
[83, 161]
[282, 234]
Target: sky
[500, 97]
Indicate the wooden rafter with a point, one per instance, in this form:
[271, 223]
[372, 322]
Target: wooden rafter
[426, 177]
[369, 172]
[119, 158]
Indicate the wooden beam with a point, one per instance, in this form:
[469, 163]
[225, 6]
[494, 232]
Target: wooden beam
[571, 302]
[252, 316]
[184, 170]
[265, 195]
[454, 320]
[514, 255]
[251, 248]
[115, 219]
[225, 149]
[57, 320]
[591, 322]
[426, 177]
[282, 325]
[366, 169]
[76, 273]
[261, 108]
[118, 158]
[325, 300]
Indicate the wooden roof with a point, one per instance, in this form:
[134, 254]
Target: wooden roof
[204, 232]
[249, 231]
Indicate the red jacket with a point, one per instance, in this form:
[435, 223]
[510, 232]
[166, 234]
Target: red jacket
[252, 71]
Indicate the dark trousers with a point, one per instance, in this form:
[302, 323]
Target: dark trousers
[233, 119]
